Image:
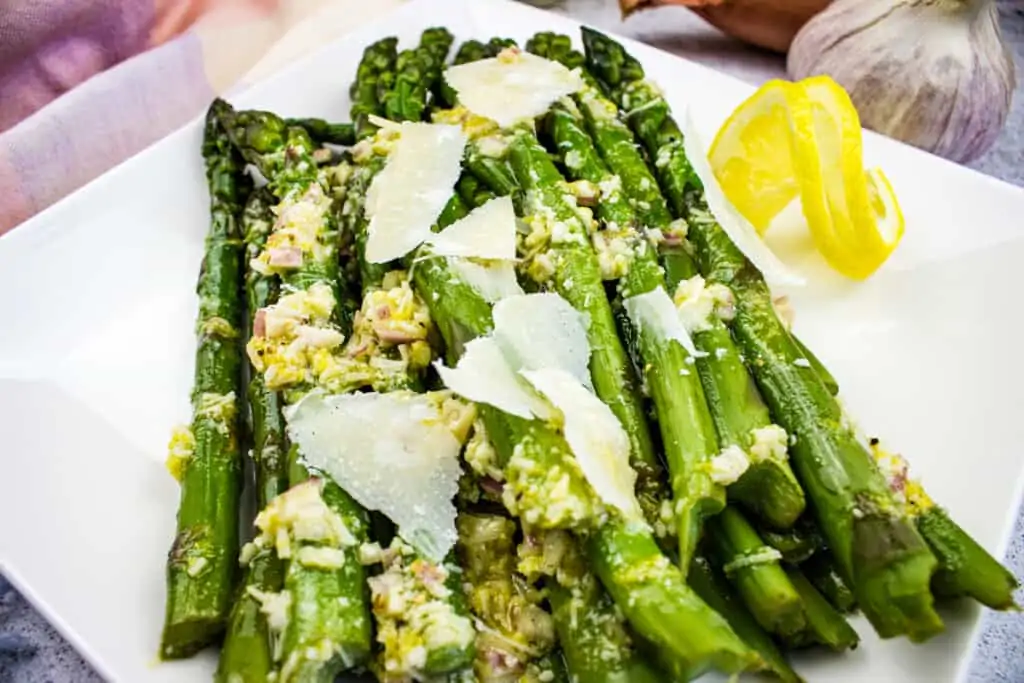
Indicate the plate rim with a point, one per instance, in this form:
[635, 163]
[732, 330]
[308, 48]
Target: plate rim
[35, 227]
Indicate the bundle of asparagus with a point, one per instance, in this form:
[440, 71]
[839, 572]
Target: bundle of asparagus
[555, 569]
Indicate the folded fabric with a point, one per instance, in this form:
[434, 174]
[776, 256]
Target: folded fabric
[89, 83]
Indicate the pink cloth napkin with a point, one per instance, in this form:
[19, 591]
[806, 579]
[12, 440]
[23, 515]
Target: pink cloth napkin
[88, 83]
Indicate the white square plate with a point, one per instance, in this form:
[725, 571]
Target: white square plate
[96, 350]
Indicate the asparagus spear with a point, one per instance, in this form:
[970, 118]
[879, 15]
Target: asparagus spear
[965, 568]
[754, 571]
[378, 58]
[715, 590]
[688, 636]
[825, 625]
[823, 373]
[769, 487]
[206, 457]
[627, 255]
[447, 646]
[327, 627]
[590, 629]
[246, 653]
[573, 271]
[821, 571]
[877, 547]
[325, 131]
[415, 73]
[557, 255]
[516, 631]
[797, 543]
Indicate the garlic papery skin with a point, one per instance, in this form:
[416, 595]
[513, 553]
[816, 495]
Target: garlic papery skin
[932, 73]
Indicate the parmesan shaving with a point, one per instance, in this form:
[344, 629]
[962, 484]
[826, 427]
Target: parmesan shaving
[513, 86]
[597, 439]
[543, 331]
[493, 281]
[654, 313]
[488, 232]
[363, 441]
[483, 375]
[407, 196]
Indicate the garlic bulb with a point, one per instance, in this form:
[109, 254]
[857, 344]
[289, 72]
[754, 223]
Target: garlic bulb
[933, 73]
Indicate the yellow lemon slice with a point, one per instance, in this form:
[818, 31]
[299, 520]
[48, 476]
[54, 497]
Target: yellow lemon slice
[803, 140]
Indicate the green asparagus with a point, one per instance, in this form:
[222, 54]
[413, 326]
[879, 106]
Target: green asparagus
[650, 592]
[624, 254]
[557, 254]
[328, 626]
[393, 323]
[876, 545]
[821, 571]
[206, 457]
[590, 629]
[826, 377]
[965, 568]
[325, 131]
[796, 544]
[754, 570]
[247, 650]
[712, 587]
[517, 631]
[769, 487]
[378, 58]
[825, 625]
[415, 73]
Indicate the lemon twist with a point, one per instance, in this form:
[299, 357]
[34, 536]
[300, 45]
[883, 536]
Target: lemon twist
[803, 140]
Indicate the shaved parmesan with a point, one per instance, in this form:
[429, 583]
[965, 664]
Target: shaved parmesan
[543, 331]
[654, 313]
[488, 232]
[735, 225]
[407, 196]
[483, 375]
[595, 436]
[493, 281]
[363, 440]
[513, 86]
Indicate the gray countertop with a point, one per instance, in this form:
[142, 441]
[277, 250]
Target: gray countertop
[32, 652]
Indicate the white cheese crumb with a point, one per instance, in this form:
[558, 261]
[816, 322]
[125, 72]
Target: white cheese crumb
[697, 302]
[802, 363]
[320, 557]
[763, 555]
[274, 605]
[768, 443]
[729, 465]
